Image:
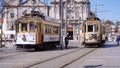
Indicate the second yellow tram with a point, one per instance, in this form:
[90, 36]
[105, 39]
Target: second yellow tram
[93, 32]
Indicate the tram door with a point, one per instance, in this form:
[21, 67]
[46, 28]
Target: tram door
[70, 33]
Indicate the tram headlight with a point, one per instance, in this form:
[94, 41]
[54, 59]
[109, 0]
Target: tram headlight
[86, 37]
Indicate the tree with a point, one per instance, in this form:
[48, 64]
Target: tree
[118, 23]
[117, 26]
[109, 22]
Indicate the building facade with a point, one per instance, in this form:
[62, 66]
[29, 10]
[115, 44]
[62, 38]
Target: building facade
[112, 30]
[14, 9]
[75, 12]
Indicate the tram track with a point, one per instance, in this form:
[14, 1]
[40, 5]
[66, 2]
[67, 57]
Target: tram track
[11, 54]
[77, 58]
[71, 52]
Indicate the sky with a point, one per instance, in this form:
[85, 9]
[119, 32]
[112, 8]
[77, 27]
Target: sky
[107, 9]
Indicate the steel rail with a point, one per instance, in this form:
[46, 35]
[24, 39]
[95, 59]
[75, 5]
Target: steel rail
[54, 58]
[77, 58]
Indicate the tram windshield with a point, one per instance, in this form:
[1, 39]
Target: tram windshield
[93, 28]
[32, 26]
[90, 28]
[23, 26]
[96, 27]
[27, 26]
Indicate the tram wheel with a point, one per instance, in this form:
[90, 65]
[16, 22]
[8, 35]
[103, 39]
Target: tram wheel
[99, 45]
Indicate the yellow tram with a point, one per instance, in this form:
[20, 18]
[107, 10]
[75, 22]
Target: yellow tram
[93, 32]
[34, 31]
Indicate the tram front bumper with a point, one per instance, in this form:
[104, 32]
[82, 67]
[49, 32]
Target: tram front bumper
[92, 43]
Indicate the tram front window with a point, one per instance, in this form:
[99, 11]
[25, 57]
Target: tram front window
[96, 27]
[32, 26]
[24, 27]
[90, 28]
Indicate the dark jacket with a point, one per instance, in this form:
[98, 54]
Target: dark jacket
[66, 40]
[118, 38]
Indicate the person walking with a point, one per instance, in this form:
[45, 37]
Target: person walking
[106, 38]
[66, 42]
[118, 40]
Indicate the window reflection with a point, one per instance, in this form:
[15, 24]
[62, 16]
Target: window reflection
[96, 27]
[32, 26]
[90, 28]
[24, 26]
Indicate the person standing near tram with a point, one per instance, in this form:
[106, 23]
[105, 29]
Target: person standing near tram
[118, 40]
[66, 41]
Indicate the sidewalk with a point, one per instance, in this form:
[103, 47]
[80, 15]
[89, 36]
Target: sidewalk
[7, 49]
[111, 42]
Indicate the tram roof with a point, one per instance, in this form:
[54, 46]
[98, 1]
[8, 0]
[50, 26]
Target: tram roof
[93, 18]
[39, 17]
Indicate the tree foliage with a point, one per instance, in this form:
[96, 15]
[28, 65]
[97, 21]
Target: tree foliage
[109, 22]
[118, 23]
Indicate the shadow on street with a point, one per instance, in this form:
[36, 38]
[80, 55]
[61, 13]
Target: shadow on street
[92, 66]
[111, 44]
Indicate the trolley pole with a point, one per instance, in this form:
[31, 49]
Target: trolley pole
[61, 18]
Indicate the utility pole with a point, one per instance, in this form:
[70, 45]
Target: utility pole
[96, 6]
[61, 18]
[81, 24]
[66, 18]
[54, 8]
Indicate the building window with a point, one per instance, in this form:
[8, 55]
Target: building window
[12, 15]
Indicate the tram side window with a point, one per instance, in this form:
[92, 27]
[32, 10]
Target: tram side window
[24, 27]
[48, 29]
[54, 30]
[96, 27]
[90, 28]
[32, 26]
[57, 30]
